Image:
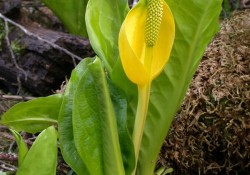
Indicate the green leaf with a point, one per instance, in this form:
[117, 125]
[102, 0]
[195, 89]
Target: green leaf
[34, 115]
[127, 147]
[120, 79]
[94, 124]
[196, 23]
[103, 21]
[71, 13]
[22, 147]
[42, 156]
[65, 128]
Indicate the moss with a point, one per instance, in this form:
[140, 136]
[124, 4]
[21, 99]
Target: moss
[212, 136]
[17, 47]
[2, 33]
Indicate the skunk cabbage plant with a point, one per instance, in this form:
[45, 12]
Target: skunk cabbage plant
[117, 108]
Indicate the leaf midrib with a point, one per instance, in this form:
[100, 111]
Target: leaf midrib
[191, 53]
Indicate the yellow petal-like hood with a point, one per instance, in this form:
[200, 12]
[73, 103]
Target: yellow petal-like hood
[142, 63]
[132, 66]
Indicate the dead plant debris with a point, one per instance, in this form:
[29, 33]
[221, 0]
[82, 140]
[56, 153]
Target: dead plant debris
[211, 132]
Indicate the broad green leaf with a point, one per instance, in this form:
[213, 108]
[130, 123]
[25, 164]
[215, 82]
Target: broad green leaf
[22, 147]
[120, 79]
[65, 128]
[103, 21]
[196, 23]
[71, 13]
[34, 115]
[127, 148]
[41, 159]
[94, 124]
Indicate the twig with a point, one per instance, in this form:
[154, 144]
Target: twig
[73, 56]
[15, 97]
[9, 167]
[7, 136]
[13, 57]
[12, 144]
[6, 27]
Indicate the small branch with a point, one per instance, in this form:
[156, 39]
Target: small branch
[7, 166]
[12, 144]
[10, 50]
[13, 57]
[73, 56]
[15, 97]
[7, 136]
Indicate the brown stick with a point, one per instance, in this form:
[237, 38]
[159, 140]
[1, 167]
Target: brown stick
[15, 97]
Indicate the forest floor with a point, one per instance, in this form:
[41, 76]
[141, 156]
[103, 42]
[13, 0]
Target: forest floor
[211, 131]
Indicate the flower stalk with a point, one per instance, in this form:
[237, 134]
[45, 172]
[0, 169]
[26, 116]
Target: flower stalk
[141, 115]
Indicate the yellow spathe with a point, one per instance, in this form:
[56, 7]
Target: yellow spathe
[143, 62]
